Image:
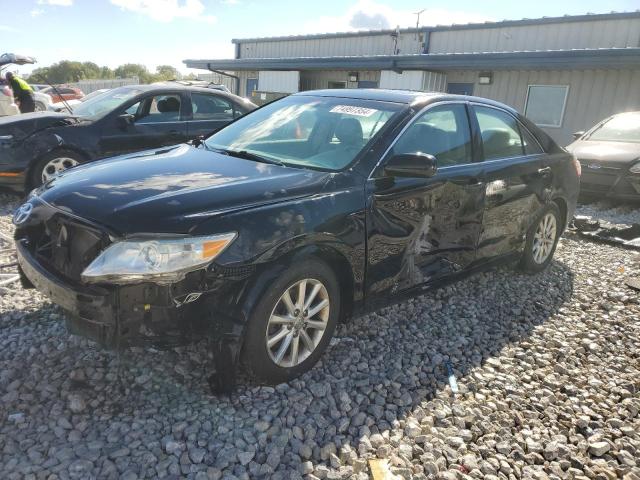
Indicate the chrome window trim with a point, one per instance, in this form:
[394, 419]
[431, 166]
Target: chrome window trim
[412, 121]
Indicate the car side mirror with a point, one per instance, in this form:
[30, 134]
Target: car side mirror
[126, 119]
[419, 165]
[577, 135]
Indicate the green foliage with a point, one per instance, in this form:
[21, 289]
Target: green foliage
[70, 71]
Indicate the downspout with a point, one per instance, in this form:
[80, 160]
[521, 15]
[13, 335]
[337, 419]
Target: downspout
[225, 74]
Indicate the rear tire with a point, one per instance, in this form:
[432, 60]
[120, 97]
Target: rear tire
[40, 107]
[286, 335]
[52, 164]
[542, 239]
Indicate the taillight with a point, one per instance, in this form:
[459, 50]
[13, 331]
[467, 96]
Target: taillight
[576, 165]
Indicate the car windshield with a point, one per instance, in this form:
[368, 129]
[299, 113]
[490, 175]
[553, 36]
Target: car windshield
[102, 104]
[621, 128]
[317, 132]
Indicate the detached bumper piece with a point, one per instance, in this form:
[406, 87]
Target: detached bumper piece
[627, 236]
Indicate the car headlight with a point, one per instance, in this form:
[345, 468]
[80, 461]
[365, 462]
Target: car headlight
[155, 260]
[635, 168]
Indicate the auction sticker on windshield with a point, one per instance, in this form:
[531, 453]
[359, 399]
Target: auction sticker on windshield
[350, 110]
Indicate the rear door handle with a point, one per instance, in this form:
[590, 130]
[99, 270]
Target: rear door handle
[546, 171]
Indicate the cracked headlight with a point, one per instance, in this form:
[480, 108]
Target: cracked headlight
[635, 168]
[155, 260]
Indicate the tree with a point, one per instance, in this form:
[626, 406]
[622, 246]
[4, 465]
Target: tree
[134, 70]
[167, 72]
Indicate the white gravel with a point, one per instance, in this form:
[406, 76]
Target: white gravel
[548, 368]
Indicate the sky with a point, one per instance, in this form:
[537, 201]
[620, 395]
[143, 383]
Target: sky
[157, 32]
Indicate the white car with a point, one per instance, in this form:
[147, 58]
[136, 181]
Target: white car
[7, 103]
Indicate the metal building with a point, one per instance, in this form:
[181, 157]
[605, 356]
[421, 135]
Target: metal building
[565, 73]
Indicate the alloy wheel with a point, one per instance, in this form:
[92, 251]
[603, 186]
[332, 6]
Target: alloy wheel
[298, 323]
[544, 238]
[55, 167]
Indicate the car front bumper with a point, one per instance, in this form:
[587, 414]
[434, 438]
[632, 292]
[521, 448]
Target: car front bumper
[131, 315]
[609, 182]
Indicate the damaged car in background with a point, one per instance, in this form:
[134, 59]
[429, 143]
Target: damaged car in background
[610, 157]
[308, 211]
[35, 147]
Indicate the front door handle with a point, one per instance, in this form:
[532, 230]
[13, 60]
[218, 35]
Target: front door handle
[544, 172]
[174, 133]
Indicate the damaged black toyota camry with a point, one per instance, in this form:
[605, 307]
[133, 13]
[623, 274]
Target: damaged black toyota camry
[303, 213]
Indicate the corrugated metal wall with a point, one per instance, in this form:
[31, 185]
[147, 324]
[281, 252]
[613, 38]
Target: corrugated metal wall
[331, 47]
[280, 82]
[593, 94]
[314, 80]
[554, 36]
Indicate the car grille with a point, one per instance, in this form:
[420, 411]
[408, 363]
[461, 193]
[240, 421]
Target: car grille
[65, 246]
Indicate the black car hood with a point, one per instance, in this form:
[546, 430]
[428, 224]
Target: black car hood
[615, 154]
[21, 126]
[174, 189]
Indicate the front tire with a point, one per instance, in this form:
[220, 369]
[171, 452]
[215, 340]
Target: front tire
[52, 165]
[40, 107]
[292, 323]
[542, 239]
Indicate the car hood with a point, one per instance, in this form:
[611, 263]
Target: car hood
[21, 126]
[615, 154]
[174, 189]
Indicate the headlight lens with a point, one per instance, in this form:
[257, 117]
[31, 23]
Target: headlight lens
[158, 260]
[635, 168]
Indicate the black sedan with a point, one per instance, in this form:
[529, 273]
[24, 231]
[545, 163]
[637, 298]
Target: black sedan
[610, 157]
[36, 147]
[297, 216]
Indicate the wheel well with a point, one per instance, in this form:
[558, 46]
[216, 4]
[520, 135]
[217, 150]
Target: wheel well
[562, 206]
[344, 274]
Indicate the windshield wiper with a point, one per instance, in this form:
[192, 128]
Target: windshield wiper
[249, 156]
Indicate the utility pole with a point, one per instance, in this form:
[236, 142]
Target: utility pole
[417, 14]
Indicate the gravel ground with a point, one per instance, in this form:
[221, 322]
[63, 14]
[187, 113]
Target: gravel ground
[611, 211]
[548, 369]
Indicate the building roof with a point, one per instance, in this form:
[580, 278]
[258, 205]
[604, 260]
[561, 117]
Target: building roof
[467, 26]
[538, 59]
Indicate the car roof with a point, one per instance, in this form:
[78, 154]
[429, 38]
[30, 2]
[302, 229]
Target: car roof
[409, 97]
[170, 86]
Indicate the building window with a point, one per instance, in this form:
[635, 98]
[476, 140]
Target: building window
[545, 104]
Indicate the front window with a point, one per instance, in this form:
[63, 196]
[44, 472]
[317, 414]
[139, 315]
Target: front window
[318, 132]
[621, 128]
[103, 104]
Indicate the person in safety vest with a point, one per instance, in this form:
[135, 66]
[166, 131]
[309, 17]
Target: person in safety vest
[22, 92]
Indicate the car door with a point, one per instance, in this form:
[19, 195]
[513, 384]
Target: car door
[423, 230]
[155, 120]
[515, 178]
[209, 113]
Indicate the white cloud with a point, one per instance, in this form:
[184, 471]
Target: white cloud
[61, 3]
[166, 10]
[231, 2]
[36, 12]
[7, 28]
[368, 15]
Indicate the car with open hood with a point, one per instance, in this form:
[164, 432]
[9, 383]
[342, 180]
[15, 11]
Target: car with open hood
[308, 211]
[610, 156]
[35, 147]
[7, 104]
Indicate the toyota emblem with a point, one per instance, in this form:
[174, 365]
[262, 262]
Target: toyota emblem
[22, 213]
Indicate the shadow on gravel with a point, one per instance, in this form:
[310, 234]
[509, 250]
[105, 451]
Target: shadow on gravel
[379, 369]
